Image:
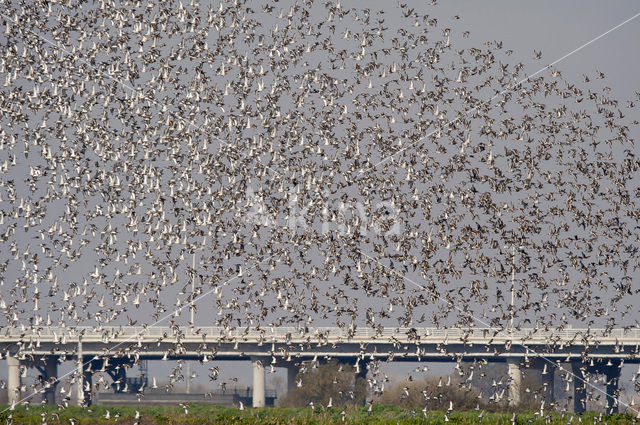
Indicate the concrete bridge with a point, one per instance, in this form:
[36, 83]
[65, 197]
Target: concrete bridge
[114, 349]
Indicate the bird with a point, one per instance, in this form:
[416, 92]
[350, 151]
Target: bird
[312, 174]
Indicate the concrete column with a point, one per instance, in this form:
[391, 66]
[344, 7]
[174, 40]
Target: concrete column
[50, 377]
[258, 382]
[612, 373]
[579, 388]
[79, 375]
[545, 371]
[13, 379]
[515, 381]
[188, 368]
[292, 371]
[87, 379]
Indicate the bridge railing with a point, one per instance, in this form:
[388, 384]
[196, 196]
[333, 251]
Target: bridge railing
[324, 334]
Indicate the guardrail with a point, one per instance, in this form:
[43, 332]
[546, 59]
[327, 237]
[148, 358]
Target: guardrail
[320, 334]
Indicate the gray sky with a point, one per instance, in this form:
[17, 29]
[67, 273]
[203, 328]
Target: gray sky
[554, 28]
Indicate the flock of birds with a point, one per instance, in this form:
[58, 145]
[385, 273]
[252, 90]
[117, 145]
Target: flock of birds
[325, 165]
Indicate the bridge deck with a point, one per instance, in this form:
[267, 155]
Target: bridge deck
[324, 335]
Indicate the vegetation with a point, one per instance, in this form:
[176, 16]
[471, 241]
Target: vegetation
[201, 414]
[487, 390]
[333, 381]
[431, 392]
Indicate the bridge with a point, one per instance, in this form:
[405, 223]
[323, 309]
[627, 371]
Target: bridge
[114, 349]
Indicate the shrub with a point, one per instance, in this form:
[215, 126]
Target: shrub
[330, 380]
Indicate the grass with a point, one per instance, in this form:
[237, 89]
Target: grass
[203, 414]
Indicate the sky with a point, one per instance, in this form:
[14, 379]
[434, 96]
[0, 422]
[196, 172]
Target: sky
[555, 28]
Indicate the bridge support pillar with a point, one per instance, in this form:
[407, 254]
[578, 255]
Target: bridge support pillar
[612, 373]
[87, 378]
[515, 381]
[258, 382]
[545, 370]
[50, 379]
[579, 387]
[13, 379]
[83, 379]
[292, 371]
